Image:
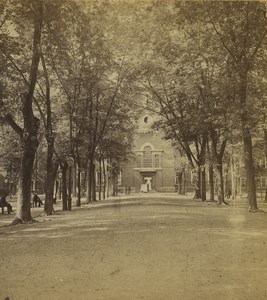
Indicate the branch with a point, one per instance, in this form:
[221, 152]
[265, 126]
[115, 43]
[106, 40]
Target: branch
[10, 58]
[3, 21]
[223, 145]
[258, 46]
[13, 124]
[185, 147]
[119, 81]
[38, 23]
[222, 40]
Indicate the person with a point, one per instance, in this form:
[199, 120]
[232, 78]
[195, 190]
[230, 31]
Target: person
[228, 194]
[36, 200]
[4, 203]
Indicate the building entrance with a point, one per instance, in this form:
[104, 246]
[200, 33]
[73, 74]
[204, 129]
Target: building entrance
[147, 184]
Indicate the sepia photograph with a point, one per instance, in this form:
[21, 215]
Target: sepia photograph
[133, 150]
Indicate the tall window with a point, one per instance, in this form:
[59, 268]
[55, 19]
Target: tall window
[147, 157]
[157, 161]
[139, 161]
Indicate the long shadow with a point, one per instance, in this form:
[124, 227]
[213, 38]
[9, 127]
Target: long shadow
[147, 202]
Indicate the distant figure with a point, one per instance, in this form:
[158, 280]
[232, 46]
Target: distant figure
[228, 194]
[36, 200]
[4, 203]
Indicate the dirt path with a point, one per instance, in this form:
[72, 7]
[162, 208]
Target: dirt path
[142, 248]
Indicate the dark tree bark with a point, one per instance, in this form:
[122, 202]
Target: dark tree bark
[55, 181]
[211, 180]
[218, 149]
[69, 202]
[100, 178]
[93, 184]
[220, 192]
[30, 145]
[90, 178]
[180, 182]
[113, 185]
[64, 168]
[49, 193]
[203, 183]
[247, 144]
[265, 138]
[200, 181]
[197, 183]
[105, 179]
[78, 203]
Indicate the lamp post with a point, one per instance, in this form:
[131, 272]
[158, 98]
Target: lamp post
[70, 162]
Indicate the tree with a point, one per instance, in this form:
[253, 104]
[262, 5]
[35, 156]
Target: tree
[55, 17]
[27, 133]
[241, 29]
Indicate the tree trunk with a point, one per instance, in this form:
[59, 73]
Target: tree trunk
[203, 183]
[49, 193]
[250, 171]
[55, 180]
[180, 178]
[218, 150]
[69, 202]
[211, 179]
[93, 183]
[247, 144]
[74, 180]
[23, 212]
[197, 182]
[105, 179]
[184, 183]
[233, 178]
[85, 182]
[90, 179]
[109, 186]
[265, 138]
[113, 185]
[220, 190]
[78, 203]
[28, 134]
[64, 187]
[100, 179]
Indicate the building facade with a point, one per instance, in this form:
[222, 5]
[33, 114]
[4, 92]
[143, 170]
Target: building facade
[153, 168]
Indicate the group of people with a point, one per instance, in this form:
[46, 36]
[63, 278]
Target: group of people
[36, 201]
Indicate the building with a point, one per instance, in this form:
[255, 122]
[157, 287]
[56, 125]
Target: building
[153, 168]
